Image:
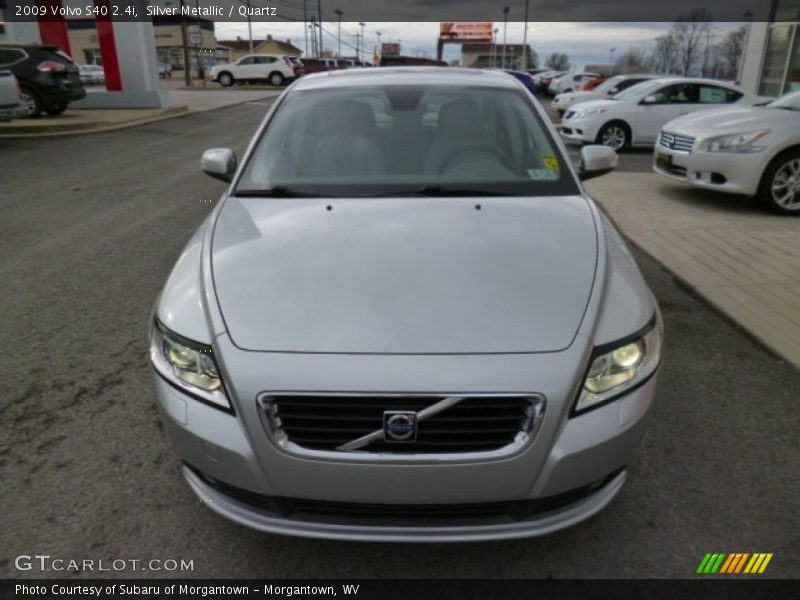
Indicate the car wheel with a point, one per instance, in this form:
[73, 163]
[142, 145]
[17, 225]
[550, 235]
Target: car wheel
[780, 185]
[226, 79]
[276, 79]
[56, 109]
[614, 135]
[31, 104]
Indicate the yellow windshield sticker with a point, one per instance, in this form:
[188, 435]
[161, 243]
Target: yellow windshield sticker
[550, 162]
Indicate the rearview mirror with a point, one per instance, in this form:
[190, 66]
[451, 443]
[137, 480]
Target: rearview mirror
[219, 163]
[649, 100]
[596, 160]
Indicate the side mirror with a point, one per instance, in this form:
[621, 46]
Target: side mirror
[612, 91]
[596, 160]
[649, 100]
[219, 163]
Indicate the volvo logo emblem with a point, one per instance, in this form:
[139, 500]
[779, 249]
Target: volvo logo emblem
[399, 426]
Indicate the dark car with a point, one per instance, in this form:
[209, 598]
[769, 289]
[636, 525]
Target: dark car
[48, 79]
[525, 78]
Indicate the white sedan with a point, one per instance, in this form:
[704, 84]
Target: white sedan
[635, 116]
[753, 151]
[610, 87]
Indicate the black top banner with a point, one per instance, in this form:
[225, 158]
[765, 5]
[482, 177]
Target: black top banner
[405, 10]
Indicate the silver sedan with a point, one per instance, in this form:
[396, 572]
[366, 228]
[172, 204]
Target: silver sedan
[405, 320]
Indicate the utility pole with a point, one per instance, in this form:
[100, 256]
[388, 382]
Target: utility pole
[505, 31]
[187, 72]
[249, 26]
[493, 49]
[379, 49]
[319, 13]
[305, 24]
[339, 32]
[525, 38]
[611, 60]
[361, 45]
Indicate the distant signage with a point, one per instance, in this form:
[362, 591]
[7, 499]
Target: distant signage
[195, 39]
[465, 32]
[390, 49]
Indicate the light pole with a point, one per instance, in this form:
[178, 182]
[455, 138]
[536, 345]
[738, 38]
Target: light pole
[187, 72]
[339, 32]
[379, 49]
[305, 24]
[493, 48]
[360, 47]
[525, 38]
[611, 60]
[505, 31]
[319, 12]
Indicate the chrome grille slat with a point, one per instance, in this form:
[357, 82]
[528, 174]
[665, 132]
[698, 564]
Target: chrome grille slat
[330, 423]
[681, 144]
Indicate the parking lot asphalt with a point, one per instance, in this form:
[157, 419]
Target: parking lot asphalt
[92, 225]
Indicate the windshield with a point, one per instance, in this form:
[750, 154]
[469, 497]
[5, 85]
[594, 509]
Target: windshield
[608, 84]
[638, 91]
[406, 139]
[789, 101]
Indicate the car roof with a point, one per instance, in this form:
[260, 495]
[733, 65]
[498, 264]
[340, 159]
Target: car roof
[29, 46]
[696, 80]
[410, 75]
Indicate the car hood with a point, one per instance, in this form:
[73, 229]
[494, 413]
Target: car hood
[733, 120]
[607, 104]
[404, 275]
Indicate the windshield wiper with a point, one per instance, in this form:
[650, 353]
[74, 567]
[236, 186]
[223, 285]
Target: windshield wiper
[278, 191]
[437, 191]
[785, 107]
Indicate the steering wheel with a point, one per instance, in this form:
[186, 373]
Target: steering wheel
[491, 152]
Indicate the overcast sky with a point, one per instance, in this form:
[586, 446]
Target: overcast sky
[583, 42]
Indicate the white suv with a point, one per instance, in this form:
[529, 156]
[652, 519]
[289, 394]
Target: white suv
[274, 68]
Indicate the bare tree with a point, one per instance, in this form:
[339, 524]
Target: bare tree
[727, 54]
[632, 60]
[665, 54]
[558, 61]
[689, 32]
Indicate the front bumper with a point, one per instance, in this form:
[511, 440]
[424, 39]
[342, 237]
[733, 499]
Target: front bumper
[572, 455]
[580, 130]
[724, 172]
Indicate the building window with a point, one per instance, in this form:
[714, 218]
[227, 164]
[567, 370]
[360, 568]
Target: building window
[773, 75]
[793, 72]
[787, 10]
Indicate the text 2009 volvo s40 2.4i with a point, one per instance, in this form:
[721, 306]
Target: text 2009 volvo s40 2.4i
[405, 320]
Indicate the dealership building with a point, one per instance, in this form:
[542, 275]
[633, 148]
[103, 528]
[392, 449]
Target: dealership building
[771, 65]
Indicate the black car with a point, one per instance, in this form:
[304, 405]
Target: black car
[48, 79]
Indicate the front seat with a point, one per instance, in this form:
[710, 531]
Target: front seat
[460, 130]
[349, 143]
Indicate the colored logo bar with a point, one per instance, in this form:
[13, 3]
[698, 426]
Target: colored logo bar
[734, 563]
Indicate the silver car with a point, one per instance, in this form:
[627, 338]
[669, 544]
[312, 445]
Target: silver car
[406, 320]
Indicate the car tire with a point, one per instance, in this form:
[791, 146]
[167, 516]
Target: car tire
[225, 79]
[56, 109]
[275, 79]
[31, 103]
[615, 135]
[779, 190]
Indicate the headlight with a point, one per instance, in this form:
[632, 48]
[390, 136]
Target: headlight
[743, 143]
[187, 365]
[616, 368]
[586, 112]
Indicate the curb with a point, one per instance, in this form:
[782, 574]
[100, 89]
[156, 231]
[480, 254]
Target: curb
[60, 130]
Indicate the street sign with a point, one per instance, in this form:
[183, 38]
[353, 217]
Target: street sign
[195, 39]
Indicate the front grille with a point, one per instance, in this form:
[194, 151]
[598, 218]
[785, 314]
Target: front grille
[681, 144]
[440, 515]
[473, 424]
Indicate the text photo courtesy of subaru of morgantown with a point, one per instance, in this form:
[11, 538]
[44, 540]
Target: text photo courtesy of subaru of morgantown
[333, 298]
